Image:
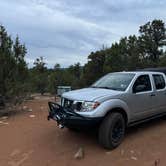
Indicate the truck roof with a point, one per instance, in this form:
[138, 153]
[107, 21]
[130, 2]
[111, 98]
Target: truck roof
[158, 69]
[147, 70]
[141, 71]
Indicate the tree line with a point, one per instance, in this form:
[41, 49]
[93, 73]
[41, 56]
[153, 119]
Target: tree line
[148, 49]
[13, 68]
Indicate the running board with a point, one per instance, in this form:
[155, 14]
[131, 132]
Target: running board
[147, 119]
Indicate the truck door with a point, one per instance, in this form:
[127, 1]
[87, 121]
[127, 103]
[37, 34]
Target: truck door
[142, 99]
[160, 91]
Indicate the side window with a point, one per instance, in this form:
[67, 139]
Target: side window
[159, 81]
[142, 84]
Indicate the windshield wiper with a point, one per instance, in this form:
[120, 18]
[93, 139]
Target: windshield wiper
[102, 87]
[105, 87]
[93, 87]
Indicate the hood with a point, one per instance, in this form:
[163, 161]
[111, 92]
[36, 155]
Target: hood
[90, 94]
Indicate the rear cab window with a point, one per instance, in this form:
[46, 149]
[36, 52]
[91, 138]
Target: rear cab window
[159, 81]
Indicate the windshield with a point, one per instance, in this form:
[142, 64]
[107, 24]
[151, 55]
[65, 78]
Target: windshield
[114, 81]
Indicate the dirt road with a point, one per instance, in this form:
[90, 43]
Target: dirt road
[28, 139]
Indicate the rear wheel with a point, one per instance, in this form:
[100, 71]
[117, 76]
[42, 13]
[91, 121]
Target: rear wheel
[112, 130]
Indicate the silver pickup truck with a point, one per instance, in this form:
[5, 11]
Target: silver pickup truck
[114, 102]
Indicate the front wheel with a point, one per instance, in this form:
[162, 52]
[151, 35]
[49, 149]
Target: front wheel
[112, 130]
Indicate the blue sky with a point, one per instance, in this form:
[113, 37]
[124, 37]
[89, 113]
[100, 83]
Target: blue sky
[66, 31]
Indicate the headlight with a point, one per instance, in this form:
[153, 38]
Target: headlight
[89, 106]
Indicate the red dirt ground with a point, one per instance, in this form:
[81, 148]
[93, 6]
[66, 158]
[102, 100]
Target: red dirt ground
[34, 141]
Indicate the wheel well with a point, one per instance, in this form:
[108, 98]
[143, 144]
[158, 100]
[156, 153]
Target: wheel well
[121, 111]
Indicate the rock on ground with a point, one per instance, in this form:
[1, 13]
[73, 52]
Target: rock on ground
[79, 154]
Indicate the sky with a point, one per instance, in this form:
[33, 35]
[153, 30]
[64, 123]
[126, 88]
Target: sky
[67, 31]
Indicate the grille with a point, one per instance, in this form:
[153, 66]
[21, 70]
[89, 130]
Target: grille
[71, 104]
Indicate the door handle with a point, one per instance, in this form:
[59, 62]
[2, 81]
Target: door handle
[152, 95]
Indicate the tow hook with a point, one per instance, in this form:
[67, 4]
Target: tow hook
[60, 126]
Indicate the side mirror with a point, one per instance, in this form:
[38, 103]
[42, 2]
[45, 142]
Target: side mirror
[139, 88]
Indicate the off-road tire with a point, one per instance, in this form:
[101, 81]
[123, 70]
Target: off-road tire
[107, 131]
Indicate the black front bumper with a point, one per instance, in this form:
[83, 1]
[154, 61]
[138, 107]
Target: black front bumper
[69, 118]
